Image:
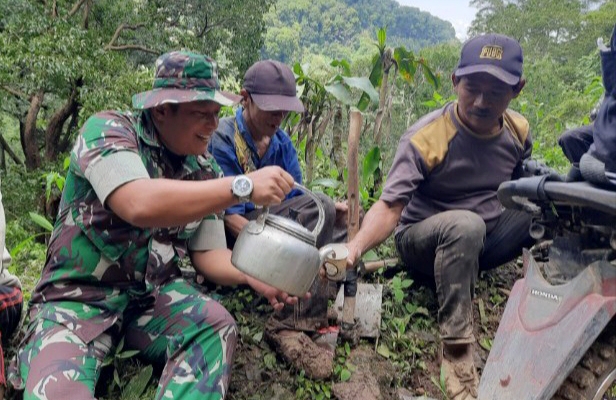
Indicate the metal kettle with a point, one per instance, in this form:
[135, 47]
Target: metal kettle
[281, 252]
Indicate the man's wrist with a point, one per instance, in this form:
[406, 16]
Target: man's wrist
[241, 188]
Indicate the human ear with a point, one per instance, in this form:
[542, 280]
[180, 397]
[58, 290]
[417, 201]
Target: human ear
[517, 89]
[245, 97]
[455, 80]
[159, 112]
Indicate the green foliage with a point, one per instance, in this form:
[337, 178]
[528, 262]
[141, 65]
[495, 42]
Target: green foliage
[308, 389]
[138, 383]
[341, 87]
[406, 26]
[330, 27]
[41, 221]
[398, 59]
[438, 101]
[440, 383]
[28, 263]
[405, 314]
[399, 287]
[559, 28]
[114, 358]
[315, 93]
[82, 60]
[370, 187]
[38, 220]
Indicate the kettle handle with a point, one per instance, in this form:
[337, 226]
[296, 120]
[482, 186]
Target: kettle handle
[317, 229]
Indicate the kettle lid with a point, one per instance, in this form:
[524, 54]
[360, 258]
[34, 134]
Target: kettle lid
[292, 228]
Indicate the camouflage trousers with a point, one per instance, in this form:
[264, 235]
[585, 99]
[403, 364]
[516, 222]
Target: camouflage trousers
[193, 335]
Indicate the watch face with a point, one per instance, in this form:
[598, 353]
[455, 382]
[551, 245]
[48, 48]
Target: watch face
[242, 187]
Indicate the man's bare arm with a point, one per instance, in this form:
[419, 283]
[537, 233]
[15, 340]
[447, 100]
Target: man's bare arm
[235, 223]
[216, 266]
[167, 202]
[377, 225]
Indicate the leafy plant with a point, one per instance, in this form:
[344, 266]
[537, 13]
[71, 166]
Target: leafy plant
[440, 383]
[55, 180]
[40, 221]
[138, 383]
[342, 369]
[399, 288]
[309, 389]
[438, 101]
[388, 59]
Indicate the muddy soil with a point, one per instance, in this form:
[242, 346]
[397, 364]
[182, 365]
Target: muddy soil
[259, 373]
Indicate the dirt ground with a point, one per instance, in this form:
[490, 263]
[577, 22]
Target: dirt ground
[402, 364]
[259, 373]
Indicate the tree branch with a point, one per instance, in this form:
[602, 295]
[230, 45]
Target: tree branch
[15, 92]
[112, 46]
[86, 13]
[119, 30]
[8, 149]
[203, 31]
[206, 29]
[131, 47]
[76, 8]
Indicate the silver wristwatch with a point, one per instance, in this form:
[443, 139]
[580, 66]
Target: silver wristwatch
[241, 187]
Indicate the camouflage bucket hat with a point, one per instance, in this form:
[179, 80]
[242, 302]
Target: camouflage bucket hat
[183, 77]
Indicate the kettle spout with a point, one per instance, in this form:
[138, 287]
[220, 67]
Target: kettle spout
[326, 252]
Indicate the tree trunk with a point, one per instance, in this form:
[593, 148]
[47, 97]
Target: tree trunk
[2, 158]
[57, 121]
[22, 132]
[309, 155]
[86, 13]
[337, 151]
[31, 152]
[355, 122]
[66, 140]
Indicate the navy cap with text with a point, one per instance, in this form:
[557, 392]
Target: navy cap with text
[497, 55]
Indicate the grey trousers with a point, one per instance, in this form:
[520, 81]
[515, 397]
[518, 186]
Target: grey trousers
[453, 247]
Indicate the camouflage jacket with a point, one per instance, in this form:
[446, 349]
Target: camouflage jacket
[97, 264]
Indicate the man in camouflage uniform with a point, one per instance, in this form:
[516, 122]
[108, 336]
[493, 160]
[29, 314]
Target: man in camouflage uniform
[141, 193]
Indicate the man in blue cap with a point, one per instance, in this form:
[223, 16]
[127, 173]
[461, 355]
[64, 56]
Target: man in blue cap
[440, 195]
